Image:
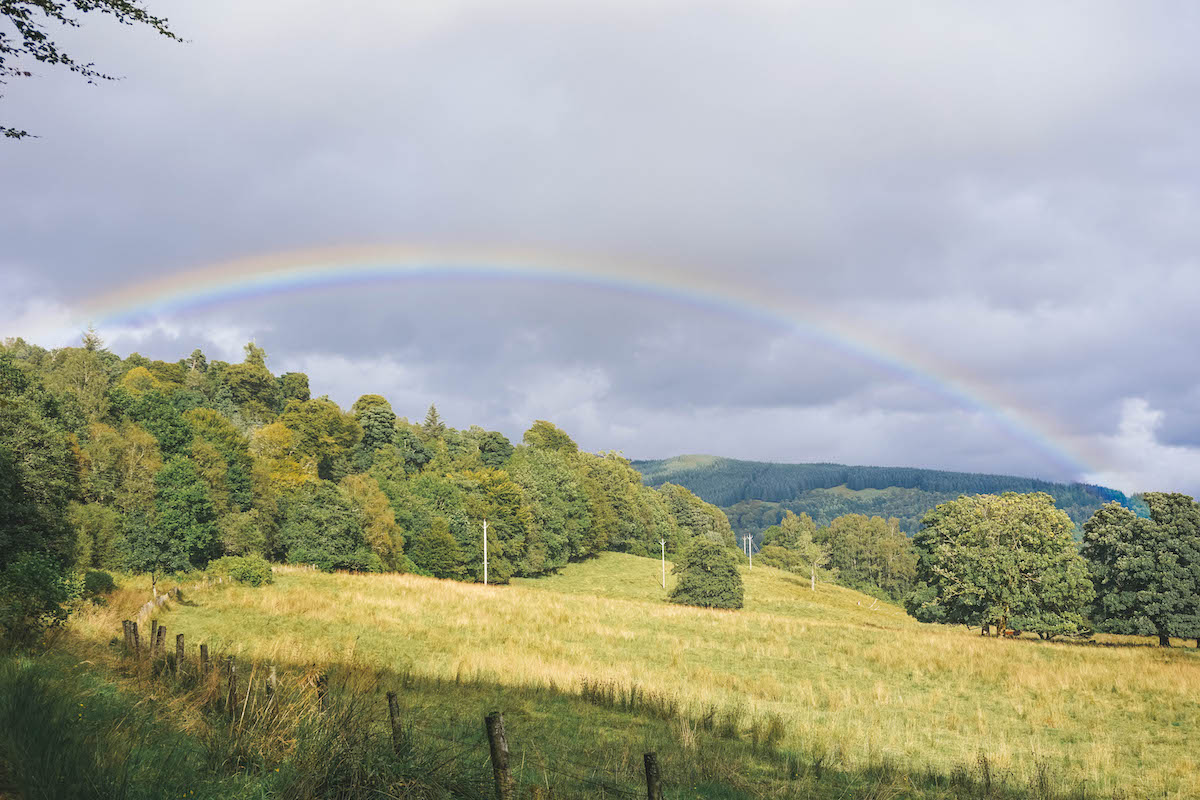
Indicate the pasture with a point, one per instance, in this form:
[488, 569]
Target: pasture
[832, 678]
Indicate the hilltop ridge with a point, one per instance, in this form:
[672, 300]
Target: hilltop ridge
[755, 494]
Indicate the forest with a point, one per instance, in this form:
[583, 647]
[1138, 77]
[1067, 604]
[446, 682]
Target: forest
[756, 494]
[159, 467]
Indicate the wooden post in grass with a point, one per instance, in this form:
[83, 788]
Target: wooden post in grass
[153, 636]
[394, 716]
[178, 653]
[272, 684]
[160, 643]
[498, 744]
[203, 659]
[653, 779]
[232, 687]
[128, 636]
[322, 690]
[137, 643]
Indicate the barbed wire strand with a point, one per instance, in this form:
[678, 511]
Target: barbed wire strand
[607, 787]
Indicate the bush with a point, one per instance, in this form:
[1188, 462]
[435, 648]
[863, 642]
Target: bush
[96, 584]
[34, 593]
[248, 570]
[708, 576]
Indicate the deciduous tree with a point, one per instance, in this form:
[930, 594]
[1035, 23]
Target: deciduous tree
[437, 552]
[1001, 560]
[29, 18]
[708, 576]
[321, 526]
[1146, 572]
[376, 518]
[184, 511]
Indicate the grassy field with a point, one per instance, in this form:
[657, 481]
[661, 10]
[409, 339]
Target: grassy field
[792, 687]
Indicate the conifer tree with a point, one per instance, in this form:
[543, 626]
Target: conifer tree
[433, 427]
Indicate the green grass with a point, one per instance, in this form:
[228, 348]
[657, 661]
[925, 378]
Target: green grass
[799, 694]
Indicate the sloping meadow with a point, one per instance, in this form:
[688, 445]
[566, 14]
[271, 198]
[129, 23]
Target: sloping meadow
[832, 678]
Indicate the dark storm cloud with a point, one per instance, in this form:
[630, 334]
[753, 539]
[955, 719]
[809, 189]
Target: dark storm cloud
[1007, 191]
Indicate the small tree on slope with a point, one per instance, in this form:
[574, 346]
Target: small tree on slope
[708, 576]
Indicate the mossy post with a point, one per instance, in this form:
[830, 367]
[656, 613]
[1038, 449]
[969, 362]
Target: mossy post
[153, 636]
[498, 744]
[653, 778]
[397, 726]
[137, 642]
[160, 641]
[203, 659]
[128, 636]
[178, 653]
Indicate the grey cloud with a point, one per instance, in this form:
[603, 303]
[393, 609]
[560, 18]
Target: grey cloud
[1007, 191]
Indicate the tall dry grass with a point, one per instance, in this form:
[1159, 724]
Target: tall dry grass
[835, 673]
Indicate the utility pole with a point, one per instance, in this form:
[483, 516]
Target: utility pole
[749, 550]
[663, 542]
[485, 552]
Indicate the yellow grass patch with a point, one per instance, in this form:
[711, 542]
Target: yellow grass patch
[852, 677]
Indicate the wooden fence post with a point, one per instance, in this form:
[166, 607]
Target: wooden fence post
[203, 659]
[232, 687]
[498, 744]
[128, 636]
[272, 684]
[397, 727]
[137, 642]
[322, 691]
[160, 643]
[653, 779]
[153, 636]
[178, 653]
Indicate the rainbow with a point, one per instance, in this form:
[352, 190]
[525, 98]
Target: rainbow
[315, 270]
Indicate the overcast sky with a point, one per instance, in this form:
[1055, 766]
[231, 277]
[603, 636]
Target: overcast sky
[1008, 191]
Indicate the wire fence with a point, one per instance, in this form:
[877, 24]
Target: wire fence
[491, 742]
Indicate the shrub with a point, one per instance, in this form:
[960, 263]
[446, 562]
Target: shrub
[249, 570]
[96, 584]
[34, 593]
[708, 576]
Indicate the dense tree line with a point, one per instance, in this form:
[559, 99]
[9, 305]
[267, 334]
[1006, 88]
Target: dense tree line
[161, 467]
[756, 494]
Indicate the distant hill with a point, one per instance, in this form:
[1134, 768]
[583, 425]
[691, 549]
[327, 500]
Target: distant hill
[756, 493]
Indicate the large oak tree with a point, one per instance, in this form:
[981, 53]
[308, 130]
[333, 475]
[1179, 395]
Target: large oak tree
[1003, 560]
[1146, 571]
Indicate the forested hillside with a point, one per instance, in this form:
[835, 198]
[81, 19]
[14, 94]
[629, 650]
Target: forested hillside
[755, 494]
[159, 467]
